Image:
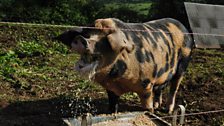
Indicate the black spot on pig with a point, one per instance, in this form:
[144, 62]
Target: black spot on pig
[154, 74]
[118, 69]
[163, 70]
[147, 56]
[145, 83]
[140, 56]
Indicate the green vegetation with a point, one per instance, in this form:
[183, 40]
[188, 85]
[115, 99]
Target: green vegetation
[82, 12]
[141, 8]
[208, 67]
[31, 62]
[9, 63]
[16, 66]
[73, 12]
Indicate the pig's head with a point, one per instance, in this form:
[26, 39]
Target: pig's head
[98, 46]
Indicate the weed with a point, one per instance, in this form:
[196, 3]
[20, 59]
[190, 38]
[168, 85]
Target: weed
[30, 49]
[9, 63]
[15, 65]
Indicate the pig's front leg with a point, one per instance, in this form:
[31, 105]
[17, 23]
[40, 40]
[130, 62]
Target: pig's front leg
[147, 100]
[113, 101]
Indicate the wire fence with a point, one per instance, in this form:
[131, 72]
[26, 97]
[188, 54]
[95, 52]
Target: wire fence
[131, 30]
[193, 114]
[86, 27]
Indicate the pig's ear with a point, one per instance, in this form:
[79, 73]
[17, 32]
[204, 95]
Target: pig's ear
[68, 36]
[116, 38]
[118, 42]
[106, 25]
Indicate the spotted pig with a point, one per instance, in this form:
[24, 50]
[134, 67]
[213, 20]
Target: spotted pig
[133, 57]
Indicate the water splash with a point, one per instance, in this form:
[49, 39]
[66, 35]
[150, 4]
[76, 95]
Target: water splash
[74, 107]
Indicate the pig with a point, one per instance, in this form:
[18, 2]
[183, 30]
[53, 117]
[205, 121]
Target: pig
[133, 57]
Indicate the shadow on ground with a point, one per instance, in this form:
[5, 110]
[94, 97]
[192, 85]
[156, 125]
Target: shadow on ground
[50, 112]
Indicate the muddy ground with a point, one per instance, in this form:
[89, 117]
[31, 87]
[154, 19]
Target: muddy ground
[51, 90]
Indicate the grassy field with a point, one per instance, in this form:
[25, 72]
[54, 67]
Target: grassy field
[38, 85]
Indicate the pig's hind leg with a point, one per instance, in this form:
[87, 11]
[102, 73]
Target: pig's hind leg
[175, 82]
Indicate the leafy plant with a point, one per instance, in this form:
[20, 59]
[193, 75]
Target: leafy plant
[9, 63]
[13, 68]
[31, 48]
[56, 47]
[34, 48]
